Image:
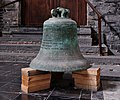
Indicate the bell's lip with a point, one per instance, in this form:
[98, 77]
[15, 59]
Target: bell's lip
[60, 68]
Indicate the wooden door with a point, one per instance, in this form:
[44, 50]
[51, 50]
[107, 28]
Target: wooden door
[78, 10]
[35, 12]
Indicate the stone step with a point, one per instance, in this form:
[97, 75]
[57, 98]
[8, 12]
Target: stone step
[19, 48]
[16, 57]
[103, 60]
[34, 48]
[11, 39]
[27, 57]
[16, 29]
[89, 50]
[14, 39]
[109, 72]
[84, 31]
[85, 40]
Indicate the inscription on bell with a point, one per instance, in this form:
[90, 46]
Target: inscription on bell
[52, 45]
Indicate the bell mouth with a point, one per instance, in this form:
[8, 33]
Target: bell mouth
[60, 66]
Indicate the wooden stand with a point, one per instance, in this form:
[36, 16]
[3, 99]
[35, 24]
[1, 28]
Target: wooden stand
[34, 80]
[87, 79]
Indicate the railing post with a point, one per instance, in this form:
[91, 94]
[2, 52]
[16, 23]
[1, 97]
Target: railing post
[99, 25]
[99, 34]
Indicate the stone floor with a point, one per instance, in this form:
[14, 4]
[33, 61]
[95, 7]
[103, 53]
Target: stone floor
[10, 81]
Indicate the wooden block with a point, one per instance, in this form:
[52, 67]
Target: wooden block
[27, 89]
[34, 80]
[36, 77]
[89, 71]
[86, 77]
[88, 87]
[87, 82]
[31, 72]
[35, 83]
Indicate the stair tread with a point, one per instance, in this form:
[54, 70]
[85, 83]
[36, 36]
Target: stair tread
[94, 56]
[86, 56]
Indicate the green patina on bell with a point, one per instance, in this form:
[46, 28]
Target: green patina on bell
[59, 50]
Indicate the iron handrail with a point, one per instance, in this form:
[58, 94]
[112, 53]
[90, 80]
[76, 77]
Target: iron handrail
[12, 2]
[99, 15]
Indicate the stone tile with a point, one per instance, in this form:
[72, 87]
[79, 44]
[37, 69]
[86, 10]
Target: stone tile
[40, 95]
[2, 72]
[45, 92]
[12, 65]
[62, 98]
[12, 70]
[14, 73]
[16, 80]
[4, 64]
[111, 90]
[8, 96]
[6, 68]
[111, 85]
[109, 72]
[10, 81]
[2, 84]
[30, 97]
[11, 87]
[65, 94]
[5, 79]
[5, 73]
[97, 95]
[85, 95]
[18, 66]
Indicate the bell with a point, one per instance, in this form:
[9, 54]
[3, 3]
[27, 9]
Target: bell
[59, 50]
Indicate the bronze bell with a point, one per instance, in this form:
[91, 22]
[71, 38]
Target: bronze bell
[59, 50]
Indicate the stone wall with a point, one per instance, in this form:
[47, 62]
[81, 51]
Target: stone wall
[10, 16]
[110, 10]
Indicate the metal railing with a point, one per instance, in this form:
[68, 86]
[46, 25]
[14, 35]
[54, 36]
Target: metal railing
[12, 2]
[99, 15]
[100, 19]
